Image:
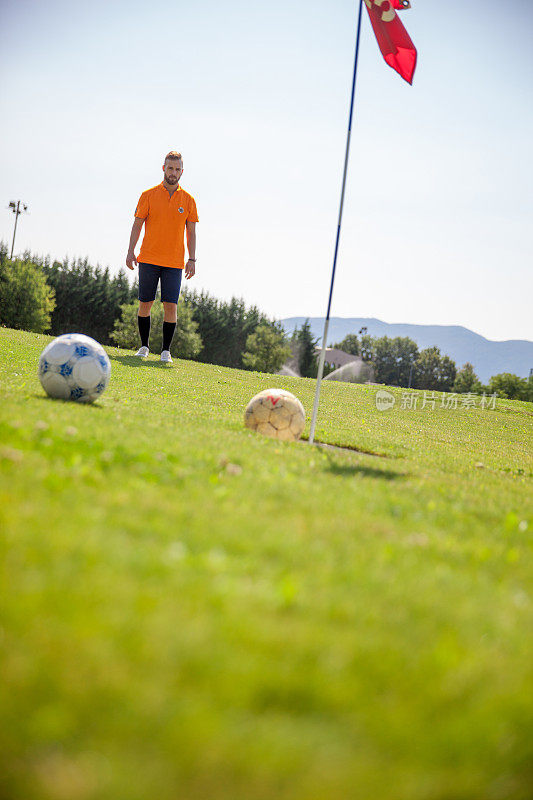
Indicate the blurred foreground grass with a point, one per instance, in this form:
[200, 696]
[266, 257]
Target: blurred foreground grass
[189, 610]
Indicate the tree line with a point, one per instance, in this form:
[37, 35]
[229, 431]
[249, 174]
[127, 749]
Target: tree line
[41, 295]
[45, 296]
[397, 361]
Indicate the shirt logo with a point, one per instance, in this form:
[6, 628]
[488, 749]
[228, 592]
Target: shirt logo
[181, 210]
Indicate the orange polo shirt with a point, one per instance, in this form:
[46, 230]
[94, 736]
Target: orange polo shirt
[164, 225]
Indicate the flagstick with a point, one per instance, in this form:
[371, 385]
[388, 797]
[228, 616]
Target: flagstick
[326, 322]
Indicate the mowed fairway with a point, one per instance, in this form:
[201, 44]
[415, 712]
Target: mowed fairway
[192, 612]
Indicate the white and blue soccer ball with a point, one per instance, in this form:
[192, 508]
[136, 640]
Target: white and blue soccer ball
[74, 367]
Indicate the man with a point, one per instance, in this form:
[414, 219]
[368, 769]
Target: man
[167, 212]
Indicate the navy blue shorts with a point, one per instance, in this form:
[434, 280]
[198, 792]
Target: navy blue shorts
[149, 276]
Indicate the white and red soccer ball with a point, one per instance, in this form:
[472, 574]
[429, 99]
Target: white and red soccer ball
[276, 413]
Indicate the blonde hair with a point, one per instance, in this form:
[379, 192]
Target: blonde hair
[174, 156]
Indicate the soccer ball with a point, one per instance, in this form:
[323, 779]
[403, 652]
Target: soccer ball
[74, 367]
[276, 413]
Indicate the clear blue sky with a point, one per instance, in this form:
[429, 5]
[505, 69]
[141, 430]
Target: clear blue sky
[437, 225]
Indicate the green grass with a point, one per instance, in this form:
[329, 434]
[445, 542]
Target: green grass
[192, 612]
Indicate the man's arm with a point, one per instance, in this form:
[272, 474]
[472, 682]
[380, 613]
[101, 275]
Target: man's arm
[191, 247]
[134, 238]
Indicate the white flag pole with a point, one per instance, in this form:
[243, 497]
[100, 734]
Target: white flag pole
[326, 321]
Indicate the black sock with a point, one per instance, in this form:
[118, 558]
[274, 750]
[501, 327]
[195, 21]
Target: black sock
[144, 330]
[168, 333]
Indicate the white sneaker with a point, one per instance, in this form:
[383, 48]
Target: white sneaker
[142, 352]
[166, 358]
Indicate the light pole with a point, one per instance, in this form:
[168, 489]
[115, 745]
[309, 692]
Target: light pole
[411, 372]
[16, 209]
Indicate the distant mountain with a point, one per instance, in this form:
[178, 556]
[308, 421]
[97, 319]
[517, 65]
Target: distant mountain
[462, 345]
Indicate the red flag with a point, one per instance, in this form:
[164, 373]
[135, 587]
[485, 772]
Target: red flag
[394, 42]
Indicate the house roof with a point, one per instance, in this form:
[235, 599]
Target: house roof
[338, 357]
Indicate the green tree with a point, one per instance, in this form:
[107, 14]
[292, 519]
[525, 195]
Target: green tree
[433, 371]
[509, 386]
[307, 358]
[266, 350]
[384, 361]
[88, 299]
[350, 344]
[224, 327]
[467, 381]
[405, 351]
[529, 390]
[26, 299]
[187, 342]
[447, 374]
[391, 359]
[367, 346]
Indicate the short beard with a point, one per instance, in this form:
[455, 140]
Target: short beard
[171, 179]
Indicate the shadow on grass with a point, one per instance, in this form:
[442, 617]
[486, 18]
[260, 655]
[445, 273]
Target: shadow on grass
[48, 399]
[346, 470]
[352, 448]
[135, 361]
[365, 470]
